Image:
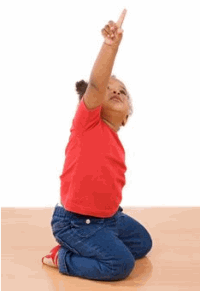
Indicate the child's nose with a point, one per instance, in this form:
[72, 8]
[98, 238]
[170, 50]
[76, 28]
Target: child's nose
[116, 92]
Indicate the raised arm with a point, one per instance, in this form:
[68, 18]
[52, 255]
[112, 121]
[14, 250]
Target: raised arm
[103, 65]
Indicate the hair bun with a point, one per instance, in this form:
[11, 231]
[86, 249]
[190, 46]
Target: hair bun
[81, 87]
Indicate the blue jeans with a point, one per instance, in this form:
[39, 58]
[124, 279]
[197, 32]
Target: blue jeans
[96, 248]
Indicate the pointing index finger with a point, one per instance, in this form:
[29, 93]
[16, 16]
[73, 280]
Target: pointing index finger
[121, 18]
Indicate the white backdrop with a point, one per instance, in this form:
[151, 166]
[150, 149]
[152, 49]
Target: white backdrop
[47, 46]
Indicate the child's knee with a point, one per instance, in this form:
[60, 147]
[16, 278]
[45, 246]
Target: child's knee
[123, 268]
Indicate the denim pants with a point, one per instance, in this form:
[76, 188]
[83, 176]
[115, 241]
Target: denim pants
[96, 248]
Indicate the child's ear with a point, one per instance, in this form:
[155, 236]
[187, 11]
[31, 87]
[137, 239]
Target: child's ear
[125, 120]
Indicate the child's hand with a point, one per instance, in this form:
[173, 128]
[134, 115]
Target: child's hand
[113, 31]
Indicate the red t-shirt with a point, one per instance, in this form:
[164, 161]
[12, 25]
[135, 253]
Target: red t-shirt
[94, 170]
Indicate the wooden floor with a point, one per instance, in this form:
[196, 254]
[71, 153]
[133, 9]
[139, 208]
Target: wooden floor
[173, 264]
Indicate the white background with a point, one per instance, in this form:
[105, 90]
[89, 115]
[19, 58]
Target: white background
[47, 46]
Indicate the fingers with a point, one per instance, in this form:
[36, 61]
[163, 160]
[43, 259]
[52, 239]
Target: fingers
[113, 31]
[104, 32]
[121, 18]
[111, 23]
[110, 28]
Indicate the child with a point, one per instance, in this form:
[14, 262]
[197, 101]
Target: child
[96, 239]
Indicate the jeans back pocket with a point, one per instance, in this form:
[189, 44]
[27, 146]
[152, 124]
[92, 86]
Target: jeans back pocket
[86, 226]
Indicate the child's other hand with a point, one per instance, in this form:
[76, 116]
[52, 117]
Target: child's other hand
[112, 32]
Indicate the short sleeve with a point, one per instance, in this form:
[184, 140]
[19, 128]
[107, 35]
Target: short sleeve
[85, 118]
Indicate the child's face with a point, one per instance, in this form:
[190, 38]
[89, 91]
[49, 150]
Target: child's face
[115, 111]
[115, 87]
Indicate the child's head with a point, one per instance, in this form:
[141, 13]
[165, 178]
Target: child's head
[113, 112]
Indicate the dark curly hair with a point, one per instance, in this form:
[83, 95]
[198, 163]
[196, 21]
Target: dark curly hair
[81, 87]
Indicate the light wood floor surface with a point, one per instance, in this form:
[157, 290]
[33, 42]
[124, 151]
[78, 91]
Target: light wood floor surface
[173, 264]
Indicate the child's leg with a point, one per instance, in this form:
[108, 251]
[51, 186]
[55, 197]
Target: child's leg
[105, 260]
[90, 247]
[134, 235]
